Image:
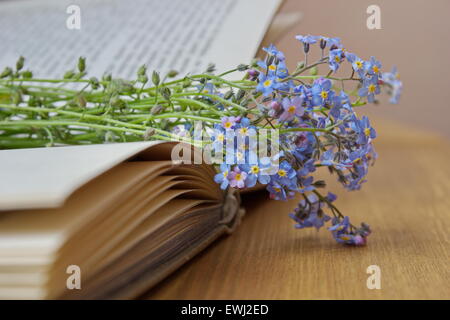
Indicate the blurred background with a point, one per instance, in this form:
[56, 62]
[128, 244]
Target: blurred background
[413, 36]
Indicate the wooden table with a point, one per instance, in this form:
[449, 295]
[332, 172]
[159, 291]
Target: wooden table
[407, 203]
[406, 200]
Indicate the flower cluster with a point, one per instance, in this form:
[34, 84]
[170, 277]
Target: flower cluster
[310, 113]
[318, 127]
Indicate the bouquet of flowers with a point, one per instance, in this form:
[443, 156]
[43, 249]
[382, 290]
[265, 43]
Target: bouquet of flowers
[310, 118]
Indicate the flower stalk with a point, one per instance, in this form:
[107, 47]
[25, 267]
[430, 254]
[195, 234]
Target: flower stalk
[311, 111]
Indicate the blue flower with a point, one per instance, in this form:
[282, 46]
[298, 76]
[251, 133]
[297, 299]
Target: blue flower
[308, 167]
[282, 71]
[235, 155]
[305, 184]
[292, 108]
[182, 130]
[305, 147]
[340, 226]
[309, 213]
[369, 89]
[269, 69]
[373, 67]
[257, 172]
[272, 50]
[266, 84]
[340, 103]
[321, 91]
[341, 231]
[286, 175]
[328, 159]
[308, 39]
[343, 234]
[335, 59]
[358, 64]
[237, 178]
[218, 137]
[311, 220]
[229, 123]
[334, 43]
[277, 71]
[277, 191]
[331, 197]
[207, 88]
[357, 164]
[364, 130]
[305, 93]
[222, 176]
[396, 86]
[245, 128]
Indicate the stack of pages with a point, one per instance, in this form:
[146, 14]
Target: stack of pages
[123, 214]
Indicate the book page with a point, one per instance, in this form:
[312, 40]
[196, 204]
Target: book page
[118, 36]
[45, 177]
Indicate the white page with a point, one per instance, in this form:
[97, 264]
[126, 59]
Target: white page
[45, 177]
[118, 35]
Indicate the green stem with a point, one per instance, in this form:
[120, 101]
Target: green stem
[177, 115]
[212, 96]
[45, 123]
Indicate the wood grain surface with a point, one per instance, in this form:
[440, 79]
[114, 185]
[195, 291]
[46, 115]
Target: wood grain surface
[407, 203]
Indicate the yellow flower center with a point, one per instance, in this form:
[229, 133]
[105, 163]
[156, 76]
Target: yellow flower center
[372, 88]
[375, 69]
[337, 59]
[246, 147]
[228, 124]
[367, 132]
[291, 109]
[282, 173]
[254, 169]
[277, 189]
[243, 130]
[267, 83]
[225, 174]
[324, 94]
[220, 137]
[238, 176]
[359, 64]
[272, 67]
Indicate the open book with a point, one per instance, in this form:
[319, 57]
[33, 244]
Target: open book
[121, 215]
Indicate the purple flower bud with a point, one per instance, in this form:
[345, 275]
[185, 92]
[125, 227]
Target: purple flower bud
[253, 73]
[359, 240]
[275, 105]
